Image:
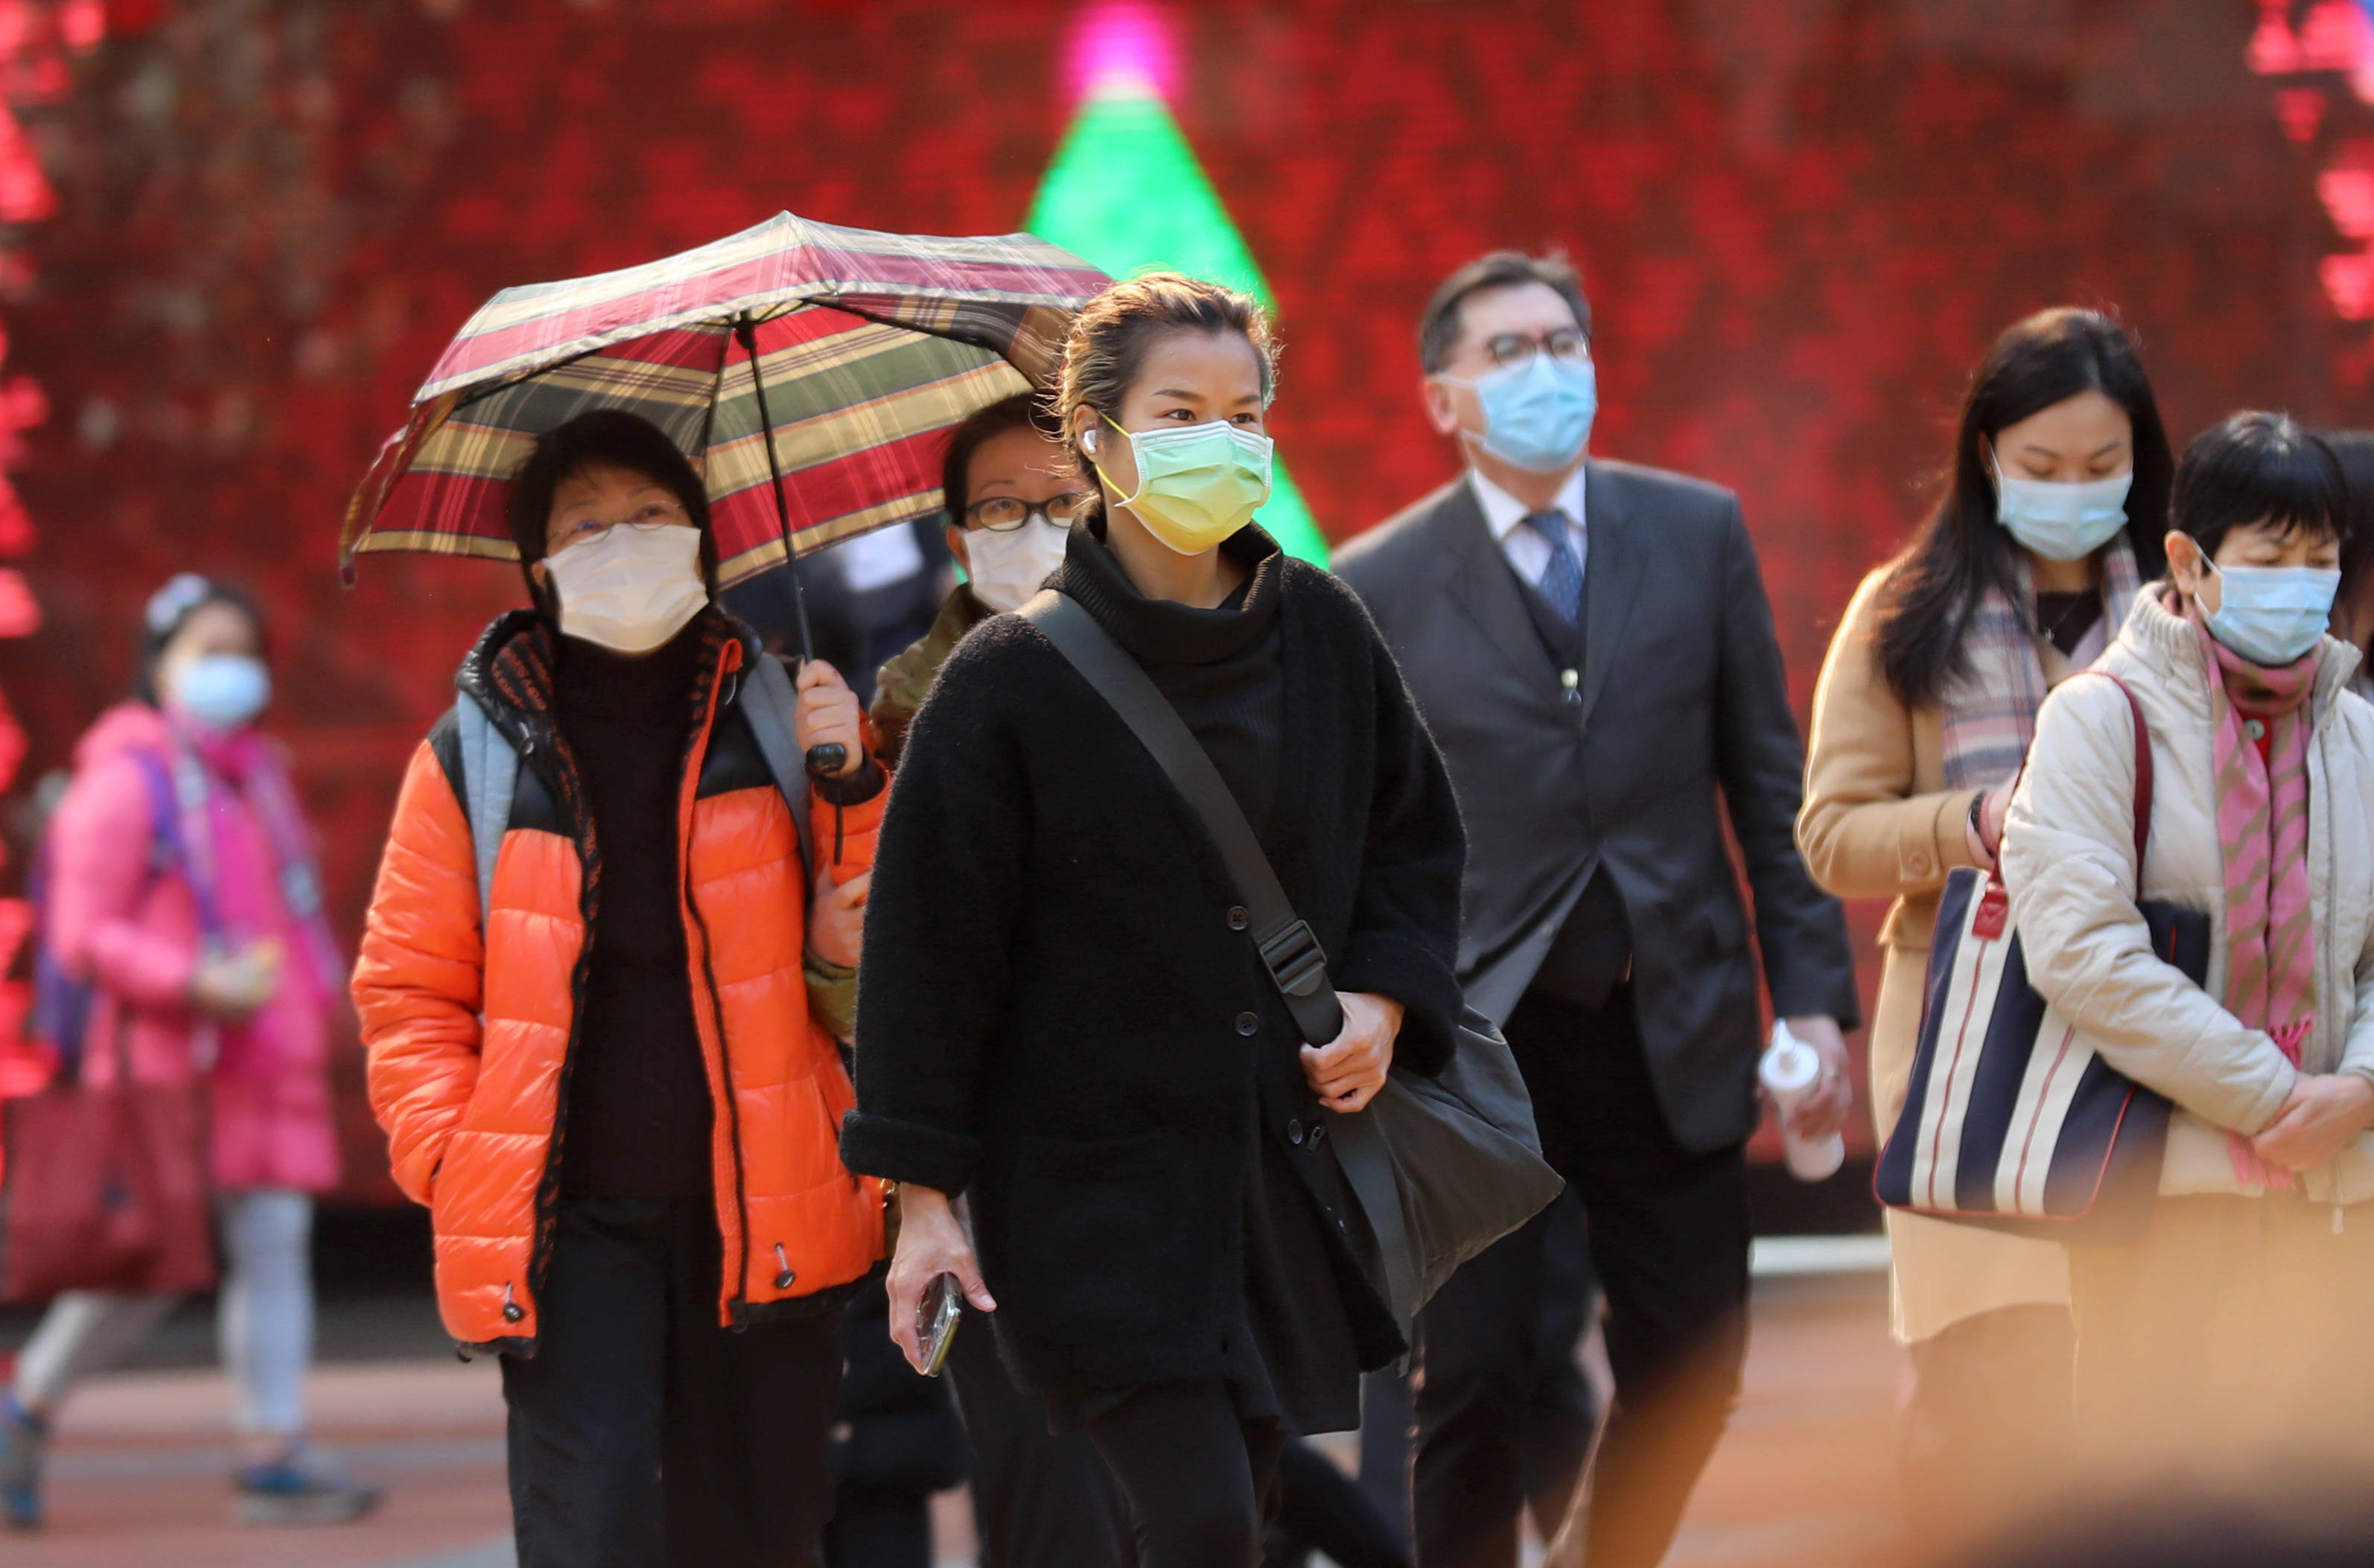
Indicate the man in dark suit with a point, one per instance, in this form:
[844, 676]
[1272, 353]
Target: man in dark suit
[1592, 648]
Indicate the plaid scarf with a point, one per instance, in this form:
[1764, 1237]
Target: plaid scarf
[2263, 838]
[1990, 712]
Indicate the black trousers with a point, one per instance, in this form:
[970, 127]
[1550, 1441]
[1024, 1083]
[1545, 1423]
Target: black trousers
[1202, 1484]
[1668, 1232]
[1039, 1500]
[643, 1433]
[880, 1529]
[1560, 1414]
[1321, 1509]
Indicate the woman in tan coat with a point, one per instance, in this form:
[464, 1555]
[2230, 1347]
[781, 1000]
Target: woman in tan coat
[1926, 705]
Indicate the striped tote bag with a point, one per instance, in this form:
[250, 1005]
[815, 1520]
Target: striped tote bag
[2013, 1121]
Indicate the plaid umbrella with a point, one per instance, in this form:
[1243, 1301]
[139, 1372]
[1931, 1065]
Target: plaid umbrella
[861, 348]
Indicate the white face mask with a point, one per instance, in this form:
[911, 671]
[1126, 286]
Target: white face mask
[220, 691]
[1006, 568]
[631, 587]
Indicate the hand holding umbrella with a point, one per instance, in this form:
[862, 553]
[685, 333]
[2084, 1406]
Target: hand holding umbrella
[830, 728]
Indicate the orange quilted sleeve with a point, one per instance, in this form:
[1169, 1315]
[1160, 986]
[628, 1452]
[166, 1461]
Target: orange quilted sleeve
[418, 981]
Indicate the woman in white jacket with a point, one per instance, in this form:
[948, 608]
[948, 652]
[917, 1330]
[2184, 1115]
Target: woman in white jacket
[2240, 1322]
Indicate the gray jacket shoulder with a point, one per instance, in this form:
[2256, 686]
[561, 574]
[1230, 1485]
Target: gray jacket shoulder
[1661, 493]
[1392, 545]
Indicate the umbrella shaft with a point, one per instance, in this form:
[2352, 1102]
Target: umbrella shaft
[747, 331]
[824, 761]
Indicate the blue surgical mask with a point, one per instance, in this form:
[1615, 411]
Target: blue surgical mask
[1538, 415]
[2272, 615]
[221, 691]
[2062, 521]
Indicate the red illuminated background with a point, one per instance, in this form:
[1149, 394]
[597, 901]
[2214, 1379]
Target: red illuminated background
[234, 234]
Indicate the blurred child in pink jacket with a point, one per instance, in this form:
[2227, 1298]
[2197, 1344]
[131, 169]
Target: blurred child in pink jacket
[180, 889]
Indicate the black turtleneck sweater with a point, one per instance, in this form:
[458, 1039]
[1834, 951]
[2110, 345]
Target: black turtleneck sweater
[638, 1112]
[1220, 668]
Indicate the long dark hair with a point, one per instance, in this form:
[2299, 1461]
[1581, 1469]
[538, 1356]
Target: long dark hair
[1962, 551]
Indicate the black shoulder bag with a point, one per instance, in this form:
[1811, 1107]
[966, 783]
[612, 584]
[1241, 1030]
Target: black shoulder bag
[1442, 1166]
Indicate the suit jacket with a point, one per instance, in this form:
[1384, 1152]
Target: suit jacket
[1681, 696]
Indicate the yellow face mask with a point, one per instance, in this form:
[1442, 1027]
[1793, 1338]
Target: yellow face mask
[1197, 484]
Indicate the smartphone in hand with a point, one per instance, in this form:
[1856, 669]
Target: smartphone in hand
[937, 1317]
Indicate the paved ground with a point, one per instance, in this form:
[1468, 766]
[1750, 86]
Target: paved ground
[1803, 1480]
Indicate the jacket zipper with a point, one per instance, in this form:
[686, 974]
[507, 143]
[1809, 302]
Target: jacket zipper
[733, 1105]
[2330, 905]
[547, 1186]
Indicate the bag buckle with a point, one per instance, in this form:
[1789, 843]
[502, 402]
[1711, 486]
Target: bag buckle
[1994, 913]
[1295, 959]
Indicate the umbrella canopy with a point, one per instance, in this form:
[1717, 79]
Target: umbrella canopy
[869, 346]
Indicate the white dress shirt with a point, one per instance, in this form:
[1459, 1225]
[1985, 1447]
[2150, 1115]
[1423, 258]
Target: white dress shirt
[1528, 552]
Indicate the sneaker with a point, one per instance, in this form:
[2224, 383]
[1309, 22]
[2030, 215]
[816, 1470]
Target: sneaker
[306, 1487]
[23, 1437]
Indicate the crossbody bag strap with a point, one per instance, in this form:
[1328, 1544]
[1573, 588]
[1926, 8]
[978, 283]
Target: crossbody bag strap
[769, 703]
[2142, 775]
[1288, 948]
[2143, 769]
[168, 824]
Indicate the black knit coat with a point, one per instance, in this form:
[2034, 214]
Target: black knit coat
[1062, 1014]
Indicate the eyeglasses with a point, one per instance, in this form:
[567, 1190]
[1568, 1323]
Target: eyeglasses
[651, 514]
[1515, 350]
[1004, 514]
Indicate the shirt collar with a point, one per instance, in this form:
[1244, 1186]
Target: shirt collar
[1505, 514]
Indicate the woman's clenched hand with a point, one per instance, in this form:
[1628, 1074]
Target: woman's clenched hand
[2317, 1122]
[837, 918]
[1346, 1073]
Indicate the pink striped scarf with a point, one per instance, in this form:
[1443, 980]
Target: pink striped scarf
[2263, 838]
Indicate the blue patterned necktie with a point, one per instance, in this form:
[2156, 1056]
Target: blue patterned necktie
[1562, 583]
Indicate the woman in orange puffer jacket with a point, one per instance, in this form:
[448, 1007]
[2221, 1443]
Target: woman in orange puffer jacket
[618, 1093]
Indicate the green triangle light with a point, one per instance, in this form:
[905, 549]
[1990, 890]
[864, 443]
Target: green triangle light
[1125, 194]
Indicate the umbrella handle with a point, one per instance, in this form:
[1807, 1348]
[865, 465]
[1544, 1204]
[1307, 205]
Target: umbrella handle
[827, 760]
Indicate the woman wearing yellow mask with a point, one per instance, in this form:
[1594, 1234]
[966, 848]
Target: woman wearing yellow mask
[1065, 1015]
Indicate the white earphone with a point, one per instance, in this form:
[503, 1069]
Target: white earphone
[1088, 442]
